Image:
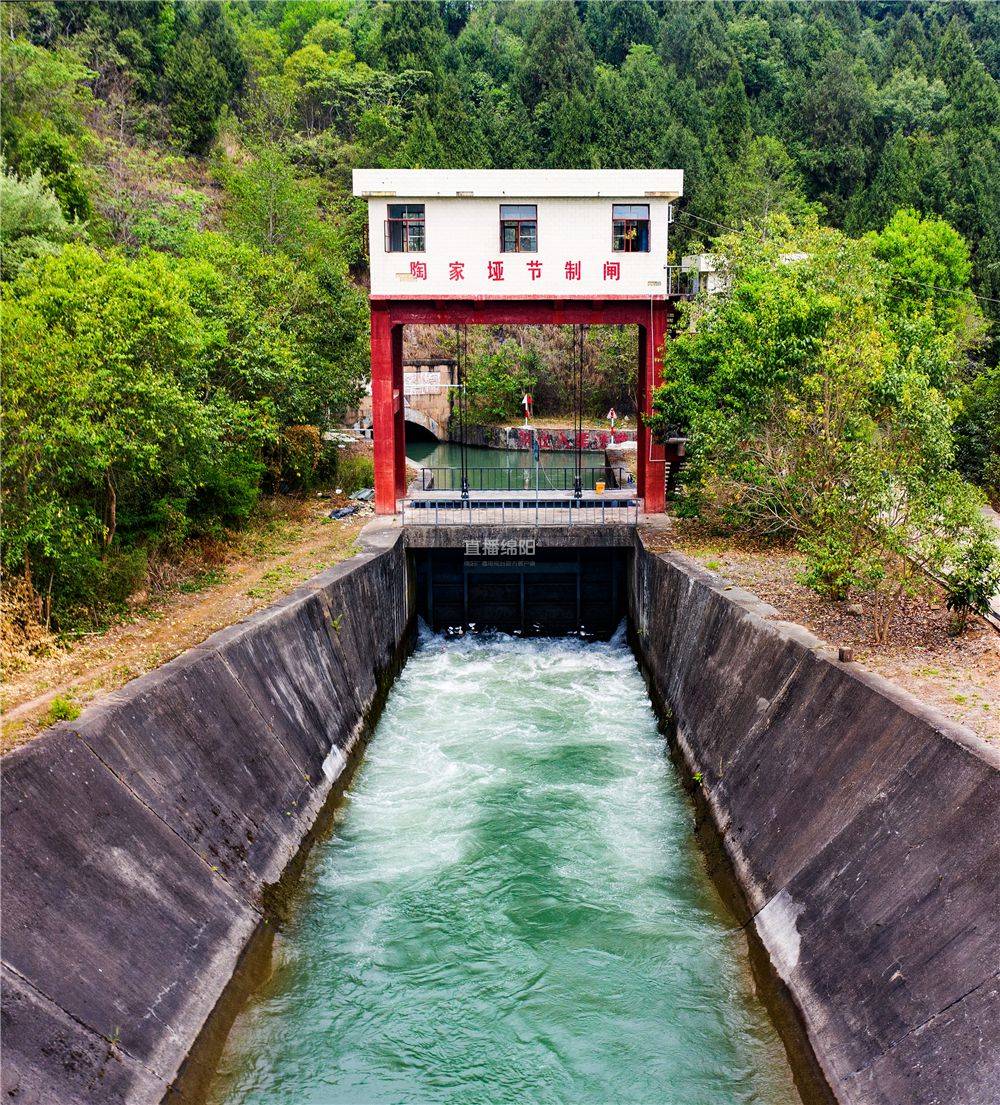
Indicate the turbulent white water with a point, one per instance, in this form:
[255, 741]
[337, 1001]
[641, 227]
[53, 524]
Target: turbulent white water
[511, 909]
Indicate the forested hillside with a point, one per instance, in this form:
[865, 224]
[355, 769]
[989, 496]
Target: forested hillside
[183, 264]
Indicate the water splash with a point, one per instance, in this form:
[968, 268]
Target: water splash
[512, 908]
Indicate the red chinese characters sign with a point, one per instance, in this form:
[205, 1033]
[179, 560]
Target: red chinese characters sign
[572, 271]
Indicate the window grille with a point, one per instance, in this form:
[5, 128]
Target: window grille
[404, 228]
[630, 227]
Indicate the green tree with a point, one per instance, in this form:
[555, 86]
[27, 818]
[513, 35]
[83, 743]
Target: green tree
[31, 222]
[287, 339]
[556, 61]
[413, 36]
[460, 125]
[422, 148]
[732, 112]
[973, 580]
[630, 105]
[269, 205]
[929, 269]
[693, 38]
[100, 421]
[497, 380]
[44, 151]
[977, 433]
[488, 46]
[40, 85]
[808, 417]
[197, 87]
[612, 28]
[763, 182]
[908, 47]
[836, 123]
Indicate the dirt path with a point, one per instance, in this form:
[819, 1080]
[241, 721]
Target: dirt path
[960, 676]
[267, 561]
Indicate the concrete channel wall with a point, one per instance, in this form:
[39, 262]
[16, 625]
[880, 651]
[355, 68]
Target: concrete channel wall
[141, 841]
[863, 827]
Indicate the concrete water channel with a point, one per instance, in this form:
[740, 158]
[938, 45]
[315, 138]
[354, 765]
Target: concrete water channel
[515, 894]
[511, 908]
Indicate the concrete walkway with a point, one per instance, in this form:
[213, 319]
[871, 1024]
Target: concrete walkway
[546, 508]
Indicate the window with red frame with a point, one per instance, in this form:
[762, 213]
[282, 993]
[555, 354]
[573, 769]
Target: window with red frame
[630, 227]
[404, 228]
[518, 228]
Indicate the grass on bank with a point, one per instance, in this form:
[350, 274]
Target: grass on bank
[959, 674]
[212, 585]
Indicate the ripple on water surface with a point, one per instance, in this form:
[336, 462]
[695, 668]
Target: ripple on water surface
[511, 909]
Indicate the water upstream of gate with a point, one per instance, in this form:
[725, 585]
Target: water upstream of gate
[505, 469]
[511, 908]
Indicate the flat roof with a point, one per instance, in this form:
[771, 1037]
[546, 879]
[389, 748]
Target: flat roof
[520, 183]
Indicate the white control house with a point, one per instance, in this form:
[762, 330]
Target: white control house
[524, 233]
[515, 247]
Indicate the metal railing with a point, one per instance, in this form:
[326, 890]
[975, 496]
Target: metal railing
[681, 282]
[515, 479]
[621, 510]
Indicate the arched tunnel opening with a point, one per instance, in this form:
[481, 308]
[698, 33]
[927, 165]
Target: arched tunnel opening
[416, 432]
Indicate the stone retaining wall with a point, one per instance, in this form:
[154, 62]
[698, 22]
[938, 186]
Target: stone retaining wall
[140, 841]
[863, 827]
[517, 437]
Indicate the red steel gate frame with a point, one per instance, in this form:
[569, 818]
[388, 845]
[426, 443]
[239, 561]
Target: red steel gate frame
[390, 315]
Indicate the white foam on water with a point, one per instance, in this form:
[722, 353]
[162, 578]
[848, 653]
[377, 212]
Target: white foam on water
[511, 908]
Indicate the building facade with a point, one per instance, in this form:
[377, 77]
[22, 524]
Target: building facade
[527, 233]
[515, 247]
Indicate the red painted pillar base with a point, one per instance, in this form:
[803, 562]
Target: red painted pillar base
[387, 411]
[651, 460]
[399, 410]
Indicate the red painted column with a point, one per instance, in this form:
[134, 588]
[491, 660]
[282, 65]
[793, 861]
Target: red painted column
[383, 411]
[652, 469]
[642, 437]
[399, 411]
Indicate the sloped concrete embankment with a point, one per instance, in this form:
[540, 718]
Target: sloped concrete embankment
[140, 841]
[863, 827]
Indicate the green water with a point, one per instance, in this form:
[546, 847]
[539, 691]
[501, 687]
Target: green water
[511, 909]
[557, 466]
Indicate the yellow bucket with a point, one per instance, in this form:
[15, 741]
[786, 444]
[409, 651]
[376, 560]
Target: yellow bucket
[599, 487]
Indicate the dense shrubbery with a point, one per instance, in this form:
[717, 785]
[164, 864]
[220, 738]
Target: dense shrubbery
[179, 238]
[354, 472]
[977, 432]
[158, 375]
[817, 393]
[145, 397]
[497, 380]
